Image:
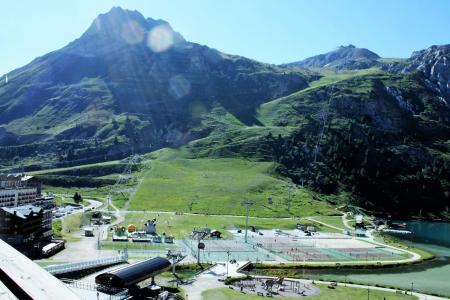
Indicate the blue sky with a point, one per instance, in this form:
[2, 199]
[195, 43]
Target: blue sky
[273, 31]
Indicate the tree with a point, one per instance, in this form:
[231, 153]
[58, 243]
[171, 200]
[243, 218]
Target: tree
[77, 198]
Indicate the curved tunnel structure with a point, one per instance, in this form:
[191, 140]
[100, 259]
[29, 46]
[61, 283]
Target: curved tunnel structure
[128, 276]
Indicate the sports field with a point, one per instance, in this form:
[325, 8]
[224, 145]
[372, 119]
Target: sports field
[293, 245]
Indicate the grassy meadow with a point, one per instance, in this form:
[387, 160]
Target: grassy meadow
[171, 180]
[218, 186]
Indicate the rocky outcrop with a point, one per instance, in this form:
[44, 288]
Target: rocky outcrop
[433, 63]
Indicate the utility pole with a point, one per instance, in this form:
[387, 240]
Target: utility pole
[289, 197]
[302, 180]
[199, 239]
[228, 260]
[247, 204]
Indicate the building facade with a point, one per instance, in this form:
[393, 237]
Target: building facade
[18, 190]
[27, 228]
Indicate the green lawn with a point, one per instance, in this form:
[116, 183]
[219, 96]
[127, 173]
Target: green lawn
[218, 186]
[403, 244]
[339, 293]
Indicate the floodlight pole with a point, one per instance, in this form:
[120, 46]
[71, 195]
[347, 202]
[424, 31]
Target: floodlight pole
[247, 204]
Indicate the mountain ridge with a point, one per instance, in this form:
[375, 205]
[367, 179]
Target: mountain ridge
[353, 123]
[142, 86]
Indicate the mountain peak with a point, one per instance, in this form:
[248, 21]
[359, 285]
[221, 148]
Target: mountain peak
[113, 22]
[344, 57]
[121, 27]
[349, 46]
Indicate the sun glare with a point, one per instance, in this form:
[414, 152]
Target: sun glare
[160, 38]
[133, 32]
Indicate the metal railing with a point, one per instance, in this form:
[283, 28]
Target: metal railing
[87, 264]
[116, 293]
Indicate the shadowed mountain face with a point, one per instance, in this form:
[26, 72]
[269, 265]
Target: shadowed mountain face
[344, 57]
[131, 80]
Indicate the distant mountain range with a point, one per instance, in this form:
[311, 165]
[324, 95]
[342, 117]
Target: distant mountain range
[346, 121]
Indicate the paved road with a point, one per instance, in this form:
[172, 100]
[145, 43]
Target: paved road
[209, 280]
[345, 222]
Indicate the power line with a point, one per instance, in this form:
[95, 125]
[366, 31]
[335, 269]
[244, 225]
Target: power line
[322, 116]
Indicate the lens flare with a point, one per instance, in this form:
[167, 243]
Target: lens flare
[179, 86]
[132, 32]
[160, 38]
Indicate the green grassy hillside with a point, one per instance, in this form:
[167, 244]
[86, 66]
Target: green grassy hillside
[218, 186]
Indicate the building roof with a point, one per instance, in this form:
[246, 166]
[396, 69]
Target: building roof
[26, 177]
[16, 176]
[130, 275]
[23, 211]
[27, 280]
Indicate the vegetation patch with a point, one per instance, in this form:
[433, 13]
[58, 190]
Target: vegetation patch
[218, 186]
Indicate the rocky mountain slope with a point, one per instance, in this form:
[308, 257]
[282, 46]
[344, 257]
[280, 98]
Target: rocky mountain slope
[341, 123]
[382, 138]
[344, 57]
[127, 84]
[433, 63]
